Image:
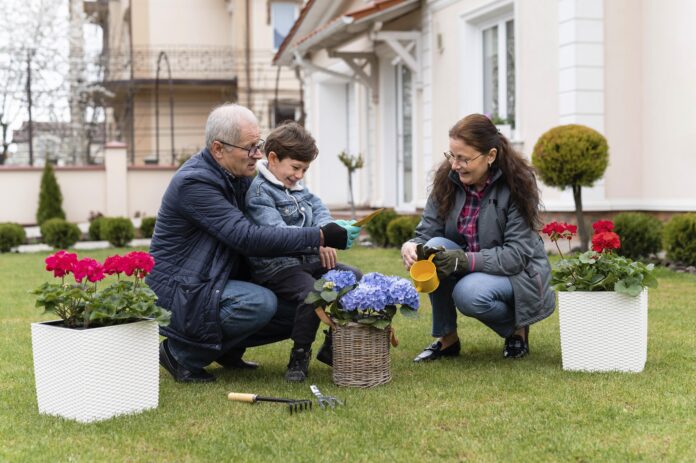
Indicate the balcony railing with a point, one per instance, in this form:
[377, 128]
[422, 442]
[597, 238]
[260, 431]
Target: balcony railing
[191, 62]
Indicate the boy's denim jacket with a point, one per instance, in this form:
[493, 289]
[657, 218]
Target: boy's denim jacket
[270, 204]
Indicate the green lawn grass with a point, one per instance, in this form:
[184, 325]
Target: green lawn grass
[477, 407]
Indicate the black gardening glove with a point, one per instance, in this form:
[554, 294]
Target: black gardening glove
[451, 263]
[424, 251]
[335, 236]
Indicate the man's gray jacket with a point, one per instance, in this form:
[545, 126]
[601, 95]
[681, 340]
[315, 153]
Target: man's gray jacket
[200, 238]
[508, 247]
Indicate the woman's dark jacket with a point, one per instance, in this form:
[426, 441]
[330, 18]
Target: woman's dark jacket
[200, 238]
[508, 247]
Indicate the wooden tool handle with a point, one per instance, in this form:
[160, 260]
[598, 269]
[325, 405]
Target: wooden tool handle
[240, 397]
[325, 318]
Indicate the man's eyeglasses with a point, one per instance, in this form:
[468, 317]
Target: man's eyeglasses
[459, 159]
[251, 152]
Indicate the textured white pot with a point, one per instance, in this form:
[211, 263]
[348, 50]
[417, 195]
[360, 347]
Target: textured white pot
[603, 331]
[94, 374]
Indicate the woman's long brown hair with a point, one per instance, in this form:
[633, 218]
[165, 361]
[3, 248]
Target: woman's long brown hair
[477, 131]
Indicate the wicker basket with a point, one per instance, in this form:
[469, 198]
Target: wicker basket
[360, 356]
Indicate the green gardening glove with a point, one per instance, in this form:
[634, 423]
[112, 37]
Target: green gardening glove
[424, 251]
[451, 263]
[351, 230]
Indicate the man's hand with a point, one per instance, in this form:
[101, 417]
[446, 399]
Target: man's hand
[328, 257]
[340, 234]
[450, 263]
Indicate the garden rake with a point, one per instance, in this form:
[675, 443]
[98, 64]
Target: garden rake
[324, 400]
[294, 405]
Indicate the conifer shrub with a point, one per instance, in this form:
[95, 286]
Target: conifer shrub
[641, 234]
[59, 233]
[11, 235]
[679, 238]
[50, 197]
[117, 230]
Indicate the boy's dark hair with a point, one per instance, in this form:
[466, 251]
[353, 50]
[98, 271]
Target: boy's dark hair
[291, 140]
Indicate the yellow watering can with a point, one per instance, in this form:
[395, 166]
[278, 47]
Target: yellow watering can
[424, 275]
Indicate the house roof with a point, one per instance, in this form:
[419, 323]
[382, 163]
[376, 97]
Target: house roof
[341, 28]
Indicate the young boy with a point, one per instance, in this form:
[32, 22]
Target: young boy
[276, 198]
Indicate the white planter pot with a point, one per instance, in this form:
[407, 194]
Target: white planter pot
[94, 374]
[603, 331]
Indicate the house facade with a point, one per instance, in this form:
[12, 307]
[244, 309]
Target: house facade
[168, 63]
[388, 78]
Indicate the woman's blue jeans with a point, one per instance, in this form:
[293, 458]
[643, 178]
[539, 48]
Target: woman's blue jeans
[485, 297]
[250, 315]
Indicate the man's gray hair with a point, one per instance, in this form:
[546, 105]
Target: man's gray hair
[224, 123]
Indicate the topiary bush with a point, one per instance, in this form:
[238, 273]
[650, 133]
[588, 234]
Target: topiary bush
[377, 228]
[679, 238]
[641, 234]
[59, 233]
[147, 227]
[50, 197]
[11, 235]
[117, 230]
[402, 229]
[95, 229]
[572, 156]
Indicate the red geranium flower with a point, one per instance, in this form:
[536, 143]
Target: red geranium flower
[605, 241]
[138, 262]
[602, 226]
[557, 230]
[90, 268]
[114, 265]
[61, 263]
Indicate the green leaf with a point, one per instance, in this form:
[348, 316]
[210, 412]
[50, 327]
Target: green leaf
[329, 296]
[312, 298]
[408, 312]
[319, 284]
[367, 321]
[381, 324]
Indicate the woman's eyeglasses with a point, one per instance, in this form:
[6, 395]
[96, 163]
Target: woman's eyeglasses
[459, 159]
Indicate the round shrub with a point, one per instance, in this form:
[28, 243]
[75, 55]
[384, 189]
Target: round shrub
[95, 229]
[11, 235]
[680, 238]
[117, 230]
[402, 229]
[377, 228]
[59, 233]
[641, 234]
[147, 227]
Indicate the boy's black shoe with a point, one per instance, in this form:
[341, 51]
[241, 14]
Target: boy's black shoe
[299, 365]
[325, 354]
[180, 373]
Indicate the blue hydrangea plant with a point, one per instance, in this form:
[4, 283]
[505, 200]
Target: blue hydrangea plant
[371, 301]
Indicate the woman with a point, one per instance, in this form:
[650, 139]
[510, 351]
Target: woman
[480, 220]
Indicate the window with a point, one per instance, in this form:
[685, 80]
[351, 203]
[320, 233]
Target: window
[283, 15]
[498, 42]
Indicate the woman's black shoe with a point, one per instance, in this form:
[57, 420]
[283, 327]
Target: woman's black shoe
[434, 351]
[515, 346]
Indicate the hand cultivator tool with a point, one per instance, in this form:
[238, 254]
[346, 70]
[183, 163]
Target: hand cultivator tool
[294, 405]
[324, 400]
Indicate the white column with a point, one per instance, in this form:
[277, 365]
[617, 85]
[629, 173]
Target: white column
[581, 74]
[116, 165]
[581, 62]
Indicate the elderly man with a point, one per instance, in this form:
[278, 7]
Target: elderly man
[200, 239]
